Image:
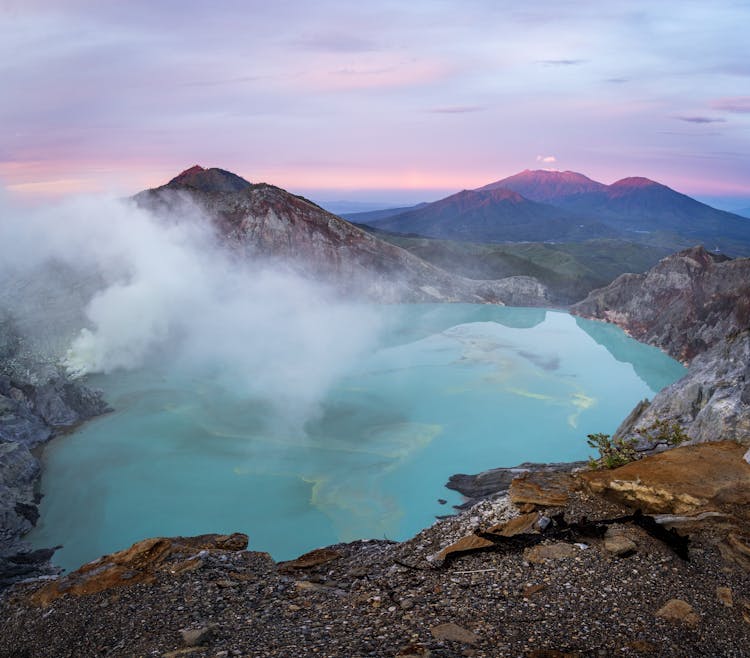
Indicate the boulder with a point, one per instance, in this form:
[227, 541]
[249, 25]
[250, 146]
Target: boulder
[543, 552]
[454, 633]
[195, 637]
[678, 611]
[619, 545]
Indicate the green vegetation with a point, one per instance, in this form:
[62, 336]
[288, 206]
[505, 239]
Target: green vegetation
[612, 452]
[569, 269]
[662, 431]
[618, 452]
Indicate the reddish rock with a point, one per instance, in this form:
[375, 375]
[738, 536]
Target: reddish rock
[678, 611]
[312, 559]
[518, 525]
[545, 489]
[141, 563]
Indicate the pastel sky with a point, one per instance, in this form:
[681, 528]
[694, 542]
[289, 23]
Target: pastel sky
[395, 100]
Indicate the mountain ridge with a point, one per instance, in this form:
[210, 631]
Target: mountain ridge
[492, 215]
[634, 208]
[261, 220]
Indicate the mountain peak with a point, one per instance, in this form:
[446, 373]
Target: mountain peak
[209, 180]
[546, 185]
[635, 182]
[195, 169]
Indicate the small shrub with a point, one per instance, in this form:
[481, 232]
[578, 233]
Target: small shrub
[663, 431]
[612, 452]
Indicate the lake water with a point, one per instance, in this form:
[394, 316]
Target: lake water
[451, 388]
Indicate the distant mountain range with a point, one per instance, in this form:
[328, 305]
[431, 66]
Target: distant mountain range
[544, 206]
[263, 222]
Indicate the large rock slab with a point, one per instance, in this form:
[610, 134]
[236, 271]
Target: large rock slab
[684, 480]
[525, 523]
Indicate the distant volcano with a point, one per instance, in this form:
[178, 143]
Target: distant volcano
[543, 206]
[493, 215]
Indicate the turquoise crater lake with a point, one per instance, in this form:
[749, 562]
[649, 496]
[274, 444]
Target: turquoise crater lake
[451, 388]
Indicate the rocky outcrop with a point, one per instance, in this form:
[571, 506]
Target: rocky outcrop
[260, 221]
[140, 563]
[711, 402]
[695, 306]
[686, 304]
[30, 415]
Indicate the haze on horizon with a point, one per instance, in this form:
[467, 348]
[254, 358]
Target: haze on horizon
[387, 101]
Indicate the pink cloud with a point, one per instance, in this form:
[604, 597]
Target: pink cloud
[737, 104]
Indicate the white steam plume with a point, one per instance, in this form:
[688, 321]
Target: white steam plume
[152, 289]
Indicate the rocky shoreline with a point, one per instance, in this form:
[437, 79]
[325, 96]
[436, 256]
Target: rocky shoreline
[31, 414]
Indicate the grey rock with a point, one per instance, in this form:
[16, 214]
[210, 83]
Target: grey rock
[454, 633]
[497, 480]
[63, 403]
[30, 415]
[707, 402]
[195, 637]
[620, 545]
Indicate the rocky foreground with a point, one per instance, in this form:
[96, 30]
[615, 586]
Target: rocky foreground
[558, 567]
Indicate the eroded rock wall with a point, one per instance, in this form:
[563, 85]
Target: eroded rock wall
[695, 306]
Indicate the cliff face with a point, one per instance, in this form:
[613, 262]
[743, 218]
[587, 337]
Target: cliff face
[30, 415]
[685, 304]
[696, 307]
[265, 222]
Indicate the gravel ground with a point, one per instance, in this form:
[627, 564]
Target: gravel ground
[366, 602]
